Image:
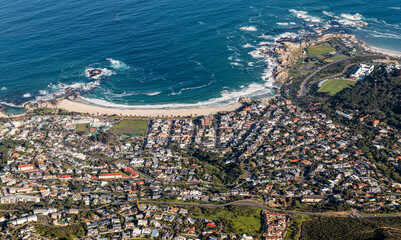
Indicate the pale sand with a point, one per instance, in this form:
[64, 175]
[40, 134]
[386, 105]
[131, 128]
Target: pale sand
[80, 107]
[3, 115]
[384, 51]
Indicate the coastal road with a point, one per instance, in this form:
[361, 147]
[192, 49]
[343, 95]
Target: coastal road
[303, 89]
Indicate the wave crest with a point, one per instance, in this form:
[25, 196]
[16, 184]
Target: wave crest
[118, 65]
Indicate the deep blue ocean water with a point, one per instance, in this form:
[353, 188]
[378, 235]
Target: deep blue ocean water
[165, 53]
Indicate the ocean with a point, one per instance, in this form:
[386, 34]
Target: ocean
[165, 53]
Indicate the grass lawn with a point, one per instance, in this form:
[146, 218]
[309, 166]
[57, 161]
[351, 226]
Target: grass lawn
[396, 80]
[244, 220]
[83, 128]
[336, 58]
[247, 224]
[131, 127]
[320, 50]
[333, 86]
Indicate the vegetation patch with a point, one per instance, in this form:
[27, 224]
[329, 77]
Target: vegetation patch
[336, 58]
[131, 127]
[320, 50]
[351, 228]
[82, 128]
[294, 228]
[378, 95]
[67, 232]
[396, 80]
[237, 219]
[334, 86]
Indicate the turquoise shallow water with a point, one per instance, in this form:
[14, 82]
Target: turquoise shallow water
[165, 53]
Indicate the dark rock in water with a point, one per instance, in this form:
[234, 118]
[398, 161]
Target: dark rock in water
[94, 72]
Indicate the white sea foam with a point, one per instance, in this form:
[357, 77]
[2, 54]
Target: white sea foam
[43, 92]
[247, 46]
[279, 37]
[282, 24]
[11, 104]
[26, 95]
[109, 93]
[43, 98]
[85, 87]
[153, 93]
[191, 88]
[250, 64]
[105, 72]
[249, 28]
[352, 17]
[395, 8]
[305, 16]
[257, 53]
[118, 65]
[286, 35]
[265, 43]
[385, 35]
[350, 20]
[268, 73]
[329, 14]
[253, 89]
[236, 64]
[3, 89]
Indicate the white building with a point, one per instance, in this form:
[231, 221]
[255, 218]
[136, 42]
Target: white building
[19, 221]
[19, 198]
[363, 71]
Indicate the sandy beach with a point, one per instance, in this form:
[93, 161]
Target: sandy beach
[76, 106]
[385, 51]
[3, 115]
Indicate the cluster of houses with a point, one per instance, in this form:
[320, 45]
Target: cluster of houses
[286, 154]
[274, 225]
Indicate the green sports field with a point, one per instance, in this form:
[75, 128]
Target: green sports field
[334, 86]
[320, 50]
[131, 127]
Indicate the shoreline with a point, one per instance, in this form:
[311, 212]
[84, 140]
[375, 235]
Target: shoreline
[82, 107]
[384, 51]
[282, 55]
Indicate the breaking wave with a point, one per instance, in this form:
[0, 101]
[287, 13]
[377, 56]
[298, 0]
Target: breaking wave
[249, 28]
[305, 16]
[253, 89]
[153, 93]
[118, 65]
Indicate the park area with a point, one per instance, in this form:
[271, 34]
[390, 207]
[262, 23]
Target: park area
[82, 128]
[320, 50]
[129, 127]
[238, 219]
[334, 86]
